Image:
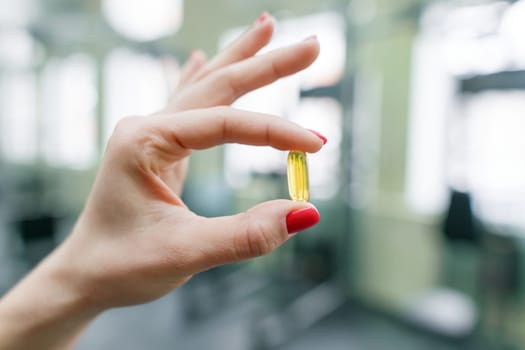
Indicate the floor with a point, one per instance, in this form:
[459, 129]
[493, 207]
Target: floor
[161, 325]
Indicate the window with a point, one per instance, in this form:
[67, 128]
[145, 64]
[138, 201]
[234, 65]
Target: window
[459, 41]
[135, 85]
[18, 124]
[69, 124]
[18, 87]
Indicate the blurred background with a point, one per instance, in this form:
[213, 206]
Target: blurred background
[421, 187]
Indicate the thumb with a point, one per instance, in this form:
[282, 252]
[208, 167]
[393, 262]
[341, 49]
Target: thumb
[256, 232]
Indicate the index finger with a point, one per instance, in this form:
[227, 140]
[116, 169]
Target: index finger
[205, 128]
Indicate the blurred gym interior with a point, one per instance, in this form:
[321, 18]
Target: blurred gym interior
[421, 187]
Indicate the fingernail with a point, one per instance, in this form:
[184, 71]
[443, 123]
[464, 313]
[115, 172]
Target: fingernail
[300, 220]
[263, 17]
[311, 37]
[318, 134]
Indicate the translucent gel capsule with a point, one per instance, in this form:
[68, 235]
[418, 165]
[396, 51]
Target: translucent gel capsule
[298, 176]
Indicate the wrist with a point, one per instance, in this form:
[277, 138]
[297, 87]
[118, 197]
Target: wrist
[47, 309]
[71, 288]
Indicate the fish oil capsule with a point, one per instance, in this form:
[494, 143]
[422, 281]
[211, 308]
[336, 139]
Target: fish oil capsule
[298, 176]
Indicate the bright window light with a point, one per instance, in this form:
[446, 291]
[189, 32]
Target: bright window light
[513, 30]
[456, 40]
[329, 27]
[17, 13]
[69, 95]
[16, 48]
[326, 116]
[468, 37]
[494, 146]
[18, 123]
[135, 84]
[483, 56]
[432, 95]
[144, 20]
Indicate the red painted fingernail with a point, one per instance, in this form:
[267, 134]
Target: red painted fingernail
[311, 37]
[301, 219]
[318, 134]
[263, 17]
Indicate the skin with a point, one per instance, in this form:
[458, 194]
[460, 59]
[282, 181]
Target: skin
[136, 240]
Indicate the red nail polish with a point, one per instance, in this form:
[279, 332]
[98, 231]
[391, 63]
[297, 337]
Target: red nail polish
[318, 134]
[302, 219]
[263, 17]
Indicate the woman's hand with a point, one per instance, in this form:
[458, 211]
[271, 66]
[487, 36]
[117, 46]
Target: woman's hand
[136, 240]
[135, 224]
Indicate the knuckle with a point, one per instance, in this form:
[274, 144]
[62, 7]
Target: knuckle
[126, 130]
[228, 84]
[126, 124]
[135, 142]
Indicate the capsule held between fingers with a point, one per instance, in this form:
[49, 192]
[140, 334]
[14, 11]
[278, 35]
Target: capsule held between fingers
[297, 170]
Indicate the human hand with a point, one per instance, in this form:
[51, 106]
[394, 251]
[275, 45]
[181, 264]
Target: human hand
[135, 239]
[147, 239]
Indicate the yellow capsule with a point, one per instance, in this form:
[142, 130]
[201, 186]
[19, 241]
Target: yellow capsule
[298, 176]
